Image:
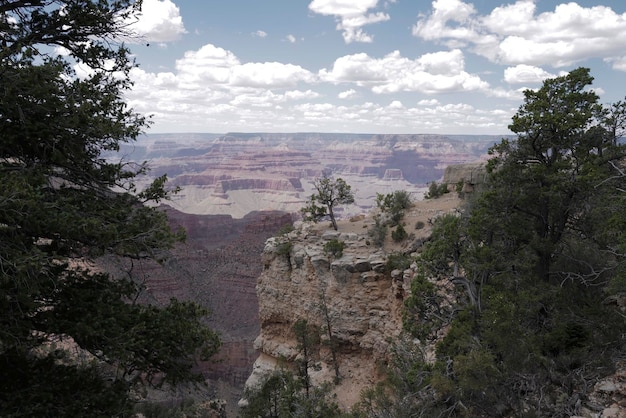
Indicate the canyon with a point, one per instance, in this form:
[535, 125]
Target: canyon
[239, 173]
[239, 190]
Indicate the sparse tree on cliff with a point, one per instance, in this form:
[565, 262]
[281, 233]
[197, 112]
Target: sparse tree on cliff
[330, 193]
[62, 205]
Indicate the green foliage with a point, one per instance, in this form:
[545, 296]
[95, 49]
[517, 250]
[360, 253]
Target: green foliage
[284, 248]
[334, 247]
[408, 374]
[398, 261]
[329, 193]
[393, 205]
[399, 234]
[459, 189]
[537, 252]
[281, 395]
[436, 190]
[63, 205]
[378, 232]
[188, 408]
[285, 394]
[424, 312]
[420, 225]
[285, 229]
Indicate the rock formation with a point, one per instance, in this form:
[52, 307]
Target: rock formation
[363, 298]
[239, 173]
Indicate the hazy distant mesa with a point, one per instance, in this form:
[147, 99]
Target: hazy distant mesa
[238, 173]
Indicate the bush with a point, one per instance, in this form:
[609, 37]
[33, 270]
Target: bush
[436, 190]
[394, 204]
[398, 261]
[378, 232]
[399, 234]
[284, 248]
[420, 225]
[285, 229]
[334, 247]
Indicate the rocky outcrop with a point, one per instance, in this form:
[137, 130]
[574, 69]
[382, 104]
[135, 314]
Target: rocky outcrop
[362, 296]
[362, 299]
[470, 175]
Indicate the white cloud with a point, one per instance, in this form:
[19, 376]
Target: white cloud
[268, 74]
[159, 21]
[291, 38]
[618, 63]
[301, 95]
[260, 34]
[516, 34]
[347, 94]
[525, 74]
[431, 73]
[351, 16]
[428, 102]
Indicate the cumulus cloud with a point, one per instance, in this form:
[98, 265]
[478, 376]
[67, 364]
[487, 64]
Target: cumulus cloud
[260, 34]
[212, 82]
[431, 73]
[159, 21]
[526, 74]
[291, 38]
[516, 34]
[619, 63]
[351, 16]
[347, 94]
[211, 65]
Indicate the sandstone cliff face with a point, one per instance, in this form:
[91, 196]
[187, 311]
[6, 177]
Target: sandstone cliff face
[363, 299]
[363, 302]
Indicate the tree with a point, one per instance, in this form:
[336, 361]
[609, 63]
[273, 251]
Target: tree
[330, 193]
[536, 250]
[73, 339]
[394, 204]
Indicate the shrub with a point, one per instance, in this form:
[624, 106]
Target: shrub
[436, 190]
[285, 229]
[334, 247]
[398, 261]
[420, 225]
[399, 234]
[284, 248]
[378, 232]
[394, 204]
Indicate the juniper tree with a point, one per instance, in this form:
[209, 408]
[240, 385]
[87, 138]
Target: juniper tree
[537, 249]
[329, 193]
[72, 340]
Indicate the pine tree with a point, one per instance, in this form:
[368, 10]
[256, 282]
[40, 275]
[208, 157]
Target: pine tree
[72, 340]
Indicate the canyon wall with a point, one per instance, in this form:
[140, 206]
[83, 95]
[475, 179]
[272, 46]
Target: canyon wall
[239, 173]
[356, 294]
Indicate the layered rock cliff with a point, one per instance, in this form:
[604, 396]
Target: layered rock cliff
[362, 296]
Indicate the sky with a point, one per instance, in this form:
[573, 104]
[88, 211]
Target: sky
[364, 66]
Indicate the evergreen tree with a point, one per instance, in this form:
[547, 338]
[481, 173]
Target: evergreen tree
[72, 340]
[330, 193]
[537, 252]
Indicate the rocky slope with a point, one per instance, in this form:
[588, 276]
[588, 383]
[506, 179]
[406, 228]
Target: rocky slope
[217, 267]
[364, 301]
[362, 297]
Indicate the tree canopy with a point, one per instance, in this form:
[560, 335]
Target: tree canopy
[329, 193]
[537, 253]
[73, 340]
